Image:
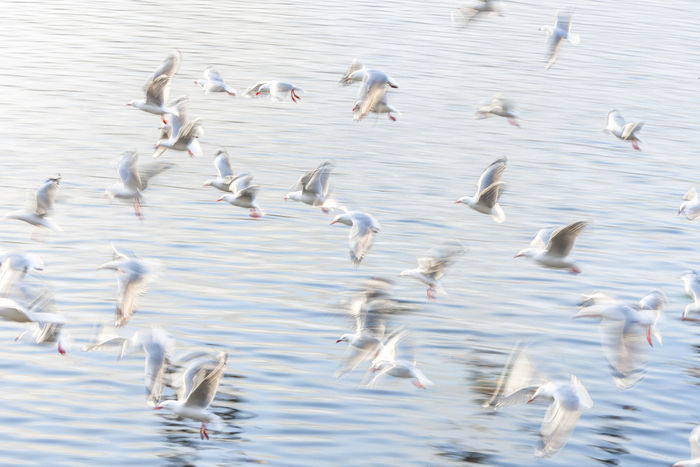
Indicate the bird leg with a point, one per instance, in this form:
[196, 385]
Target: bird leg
[430, 293]
[162, 118]
[649, 337]
[391, 117]
[137, 209]
[418, 384]
[294, 94]
[203, 432]
[17, 339]
[60, 349]
[574, 270]
[635, 145]
[513, 122]
[190, 153]
[254, 213]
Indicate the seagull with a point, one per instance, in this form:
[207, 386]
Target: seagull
[243, 194]
[370, 97]
[387, 363]
[363, 228]
[625, 131]
[623, 329]
[314, 187]
[158, 88]
[500, 107]
[200, 381]
[383, 107]
[134, 275]
[521, 383]
[556, 34]
[40, 205]
[485, 200]
[134, 179]
[690, 205]
[14, 266]
[432, 267]
[39, 311]
[277, 90]
[223, 167]
[694, 440]
[551, 247]
[367, 338]
[213, 82]
[488, 7]
[691, 284]
[156, 343]
[183, 134]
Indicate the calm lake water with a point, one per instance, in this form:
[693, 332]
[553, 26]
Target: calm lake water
[270, 292]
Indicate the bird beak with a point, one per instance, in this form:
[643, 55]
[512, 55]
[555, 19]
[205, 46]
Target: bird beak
[158, 407]
[457, 202]
[518, 255]
[530, 400]
[339, 340]
[333, 222]
[220, 198]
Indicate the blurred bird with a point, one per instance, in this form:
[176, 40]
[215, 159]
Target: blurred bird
[156, 343]
[182, 135]
[625, 131]
[225, 172]
[694, 440]
[40, 205]
[470, 13]
[200, 381]
[623, 330]
[556, 34]
[366, 338]
[243, 195]
[134, 275]
[432, 267]
[363, 228]
[551, 247]
[486, 198]
[278, 90]
[690, 205]
[371, 96]
[135, 178]
[691, 284]
[387, 363]
[522, 383]
[213, 82]
[158, 88]
[314, 188]
[500, 107]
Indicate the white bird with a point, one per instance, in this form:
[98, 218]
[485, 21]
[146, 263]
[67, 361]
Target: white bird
[158, 88]
[691, 284]
[690, 205]
[551, 247]
[200, 381]
[134, 275]
[314, 187]
[225, 172]
[135, 178]
[39, 311]
[486, 7]
[183, 134]
[278, 90]
[625, 131]
[432, 267]
[243, 195]
[521, 383]
[623, 330]
[40, 205]
[488, 189]
[367, 336]
[213, 82]
[363, 228]
[499, 107]
[694, 440]
[556, 34]
[387, 363]
[14, 266]
[156, 343]
[370, 97]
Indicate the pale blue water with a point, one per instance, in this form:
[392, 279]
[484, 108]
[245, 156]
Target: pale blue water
[269, 292]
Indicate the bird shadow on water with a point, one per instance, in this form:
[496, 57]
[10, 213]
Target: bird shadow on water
[612, 438]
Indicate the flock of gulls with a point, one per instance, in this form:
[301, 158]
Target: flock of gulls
[628, 330]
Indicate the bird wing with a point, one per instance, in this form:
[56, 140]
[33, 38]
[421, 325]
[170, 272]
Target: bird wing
[318, 181]
[151, 169]
[518, 381]
[694, 440]
[541, 238]
[169, 66]
[489, 196]
[630, 128]
[255, 88]
[46, 196]
[557, 425]
[127, 170]
[205, 381]
[131, 284]
[157, 90]
[492, 174]
[212, 75]
[240, 182]
[354, 66]
[361, 237]
[562, 240]
[615, 121]
[154, 370]
[690, 194]
[222, 164]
